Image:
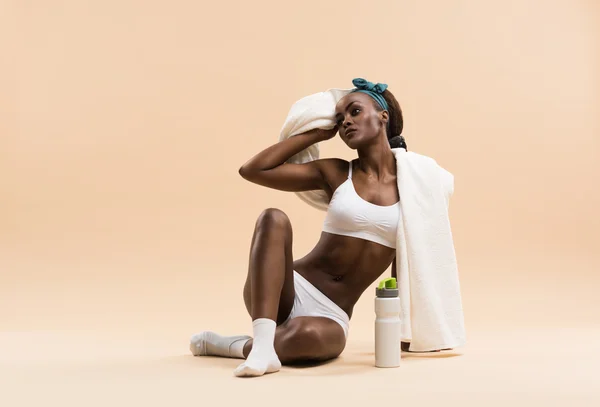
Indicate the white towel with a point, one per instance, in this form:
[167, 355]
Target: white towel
[431, 306]
[312, 112]
[430, 300]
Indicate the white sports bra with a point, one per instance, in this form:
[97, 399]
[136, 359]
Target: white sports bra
[350, 215]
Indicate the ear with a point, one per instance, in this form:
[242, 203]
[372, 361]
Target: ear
[385, 116]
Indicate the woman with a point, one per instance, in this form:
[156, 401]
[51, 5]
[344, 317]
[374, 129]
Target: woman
[301, 308]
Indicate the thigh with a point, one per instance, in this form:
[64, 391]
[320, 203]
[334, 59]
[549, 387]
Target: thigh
[311, 339]
[288, 294]
[286, 299]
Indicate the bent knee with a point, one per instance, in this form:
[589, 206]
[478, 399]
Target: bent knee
[307, 334]
[306, 342]
[273, 217]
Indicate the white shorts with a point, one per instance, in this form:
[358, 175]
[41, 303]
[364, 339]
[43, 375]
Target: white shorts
[310, 302]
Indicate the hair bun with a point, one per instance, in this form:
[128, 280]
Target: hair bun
[397, 142]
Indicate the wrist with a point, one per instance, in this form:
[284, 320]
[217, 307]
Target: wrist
[315, 135]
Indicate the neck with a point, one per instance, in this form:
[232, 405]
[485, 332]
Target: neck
[377, 160]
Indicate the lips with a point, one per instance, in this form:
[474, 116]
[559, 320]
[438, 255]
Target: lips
[349, 132]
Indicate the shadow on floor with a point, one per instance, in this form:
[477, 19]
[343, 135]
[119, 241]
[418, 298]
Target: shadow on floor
[349, 363]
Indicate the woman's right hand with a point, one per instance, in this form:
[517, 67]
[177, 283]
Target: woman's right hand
[269, 167]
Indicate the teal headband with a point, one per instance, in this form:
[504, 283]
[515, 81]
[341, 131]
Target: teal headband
[371, 89]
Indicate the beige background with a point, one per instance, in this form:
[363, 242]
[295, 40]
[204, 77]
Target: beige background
[125, 227]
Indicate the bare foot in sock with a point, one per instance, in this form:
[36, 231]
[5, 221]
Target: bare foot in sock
[262, 358]
[211, 344]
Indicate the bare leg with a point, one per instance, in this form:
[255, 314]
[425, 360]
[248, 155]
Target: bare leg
[269, 289]
[306, 339]
[269, 293]
[269, 296]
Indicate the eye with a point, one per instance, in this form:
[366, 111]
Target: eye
[339, 120]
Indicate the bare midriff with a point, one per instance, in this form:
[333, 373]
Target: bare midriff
[343, 267]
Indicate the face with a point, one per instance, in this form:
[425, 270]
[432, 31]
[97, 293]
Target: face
[359, 121]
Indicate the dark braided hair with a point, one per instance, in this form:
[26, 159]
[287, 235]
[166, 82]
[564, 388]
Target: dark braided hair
[395, 122]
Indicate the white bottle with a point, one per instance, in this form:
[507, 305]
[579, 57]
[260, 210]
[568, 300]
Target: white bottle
[387, 324]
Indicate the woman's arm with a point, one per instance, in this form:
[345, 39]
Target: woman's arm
[394, 274]
[269, 168]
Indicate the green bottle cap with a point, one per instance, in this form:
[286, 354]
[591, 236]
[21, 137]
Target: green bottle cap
[388, 283]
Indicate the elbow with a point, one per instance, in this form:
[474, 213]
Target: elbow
[245, 172]
[250, 173]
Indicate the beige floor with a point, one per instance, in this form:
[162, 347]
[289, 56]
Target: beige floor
[122, 340]
[545, 367]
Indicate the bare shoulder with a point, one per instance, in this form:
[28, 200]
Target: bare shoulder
[333, 165]
[334, 171]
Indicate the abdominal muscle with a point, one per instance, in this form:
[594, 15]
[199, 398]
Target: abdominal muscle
[343, 267]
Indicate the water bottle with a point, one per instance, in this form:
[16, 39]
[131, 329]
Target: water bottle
[387, 324]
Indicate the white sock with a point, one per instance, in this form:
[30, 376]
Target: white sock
[262, 358]
[211, 344]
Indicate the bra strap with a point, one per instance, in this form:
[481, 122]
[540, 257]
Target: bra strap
[350, 171]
